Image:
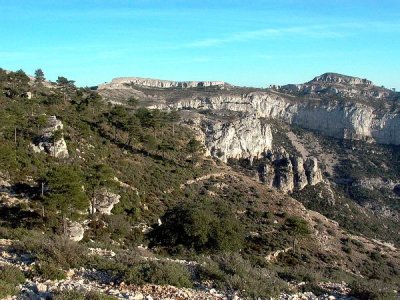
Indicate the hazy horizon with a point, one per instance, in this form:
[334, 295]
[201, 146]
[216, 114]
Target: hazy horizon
[256, 44]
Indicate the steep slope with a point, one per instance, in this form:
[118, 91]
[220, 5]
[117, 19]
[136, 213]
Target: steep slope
[331, 105]
[176, 217]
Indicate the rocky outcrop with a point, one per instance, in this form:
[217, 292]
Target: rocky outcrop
[128, 82]
[339, 78]
[300, 177]
[288, 173]
[312, 171]
[284, 175]
[75, 231]
[339, 85]
[242, 138]
[52, 140]
[104, 202]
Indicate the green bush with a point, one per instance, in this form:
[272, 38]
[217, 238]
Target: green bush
[346, 249]
[161, 273]
[11, 275]
[232, 272]
[48, 270]
[7, 289]
[372, 290]
[55, 250]
[10, 278]
[69, 295]
[297, 226]
[201, 226]
[75, 295]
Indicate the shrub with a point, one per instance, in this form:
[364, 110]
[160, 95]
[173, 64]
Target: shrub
[7, 289]
[346, 249]
[372, 290]
[69, 295]
[75, 295]
[50, 271]
[10, 277]
[201, 226]
[233, 273]
[160, 273]
[55, 250]
[98, 296]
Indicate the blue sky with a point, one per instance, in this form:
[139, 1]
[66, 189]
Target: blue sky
[253, 43]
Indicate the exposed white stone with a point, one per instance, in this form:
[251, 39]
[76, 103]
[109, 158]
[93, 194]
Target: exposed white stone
[314, 175]
[45, 142]
[243, 138]
[75, 231]
[127, 82]
[300, 177]
[104, 202]
[355, 121]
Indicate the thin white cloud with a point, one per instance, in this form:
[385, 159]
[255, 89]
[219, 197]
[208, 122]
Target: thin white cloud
[313, 31]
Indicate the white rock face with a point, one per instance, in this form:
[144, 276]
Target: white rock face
[314, 175]
[75, 231]
[346, 121]
[104, 202]
[127, 82]
[338, 78]
[45, 142]
[300, 177]
[288, 173]
[243, 138]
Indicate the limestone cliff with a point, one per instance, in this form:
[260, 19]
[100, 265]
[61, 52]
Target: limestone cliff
[345, 120]
[242, 138]
[335, 105]
[128, 82]
[287, 172]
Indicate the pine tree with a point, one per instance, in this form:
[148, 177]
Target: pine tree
[39, 76]
[65, 192]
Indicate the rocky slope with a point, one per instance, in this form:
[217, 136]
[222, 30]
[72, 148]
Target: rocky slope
[246, 218]
[236, 123]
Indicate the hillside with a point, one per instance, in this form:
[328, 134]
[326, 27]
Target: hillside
[204, 192]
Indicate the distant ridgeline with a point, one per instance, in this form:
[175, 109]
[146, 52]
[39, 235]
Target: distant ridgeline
[126, 82]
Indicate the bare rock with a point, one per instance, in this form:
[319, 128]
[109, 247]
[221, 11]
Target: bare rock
[242, 138]
[288, 173]
[46, 143]
[300, 177]
[127, 82]
[314, 175]
[284, 177]
[75, 231]
[104, 202]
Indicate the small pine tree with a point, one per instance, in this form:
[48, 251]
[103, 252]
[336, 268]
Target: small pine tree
[39, 76]
[65, 192]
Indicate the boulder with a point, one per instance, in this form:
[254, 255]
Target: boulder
[104, 202]
[75, 231]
